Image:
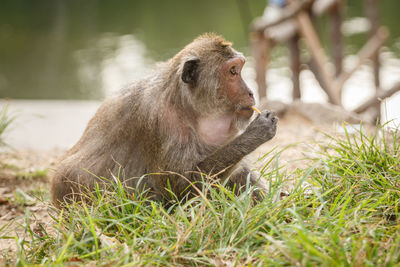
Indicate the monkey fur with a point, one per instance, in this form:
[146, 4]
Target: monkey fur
[192, 115]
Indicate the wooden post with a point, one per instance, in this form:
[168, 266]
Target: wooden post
[311, 39]
[335, 14]
[295, 65]
[260, 48]
[312, 66]
[371, 10]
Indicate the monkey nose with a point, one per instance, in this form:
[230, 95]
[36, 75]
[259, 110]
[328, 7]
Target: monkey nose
[251, 95]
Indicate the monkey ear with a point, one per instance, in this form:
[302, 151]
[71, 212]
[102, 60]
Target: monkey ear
[189, 73]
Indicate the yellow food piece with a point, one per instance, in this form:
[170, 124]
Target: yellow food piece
[255, 109]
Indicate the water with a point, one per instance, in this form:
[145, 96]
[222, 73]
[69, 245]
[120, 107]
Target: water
[68, 49]
[84, 50]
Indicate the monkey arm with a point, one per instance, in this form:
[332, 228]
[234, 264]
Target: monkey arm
[229, 155]
[260, 130]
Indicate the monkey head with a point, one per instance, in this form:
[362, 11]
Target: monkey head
[212, 72]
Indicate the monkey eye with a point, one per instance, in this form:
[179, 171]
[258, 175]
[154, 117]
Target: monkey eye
[233, 71]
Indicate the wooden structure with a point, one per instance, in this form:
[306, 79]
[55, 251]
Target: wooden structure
[300, 14]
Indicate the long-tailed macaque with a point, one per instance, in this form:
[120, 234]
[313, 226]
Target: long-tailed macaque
[192, 115]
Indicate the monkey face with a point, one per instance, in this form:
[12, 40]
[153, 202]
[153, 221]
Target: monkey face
[213, 79]
[236, 90]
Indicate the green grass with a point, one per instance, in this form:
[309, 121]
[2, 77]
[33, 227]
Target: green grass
[34, 173]
[5, 121]
[343, 210]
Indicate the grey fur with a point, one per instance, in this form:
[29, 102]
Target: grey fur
[151, 126]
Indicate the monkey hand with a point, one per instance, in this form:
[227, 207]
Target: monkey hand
[263, 126]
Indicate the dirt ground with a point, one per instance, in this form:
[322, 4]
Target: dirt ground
[24, 177]
[24, 187]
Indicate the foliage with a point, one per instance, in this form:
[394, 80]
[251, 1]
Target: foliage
[342, 210]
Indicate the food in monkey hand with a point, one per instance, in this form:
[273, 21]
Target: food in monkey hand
[256, 109]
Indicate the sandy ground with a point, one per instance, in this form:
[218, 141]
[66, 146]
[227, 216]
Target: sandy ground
[24, 176]
[24, 187]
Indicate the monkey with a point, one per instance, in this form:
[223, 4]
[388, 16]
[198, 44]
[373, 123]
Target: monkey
[191, 116]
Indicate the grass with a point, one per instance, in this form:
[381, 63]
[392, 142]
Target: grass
[343, 210]
[38, 173]
[5, 121]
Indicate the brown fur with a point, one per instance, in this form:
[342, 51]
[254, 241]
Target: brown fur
[156, 124]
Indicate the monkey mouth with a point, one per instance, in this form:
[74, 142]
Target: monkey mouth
[245, 111]
[247, 108]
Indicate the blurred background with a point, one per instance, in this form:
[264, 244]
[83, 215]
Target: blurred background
[56, 49]
[84, 50]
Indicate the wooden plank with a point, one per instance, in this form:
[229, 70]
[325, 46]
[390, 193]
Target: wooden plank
[260, 24]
